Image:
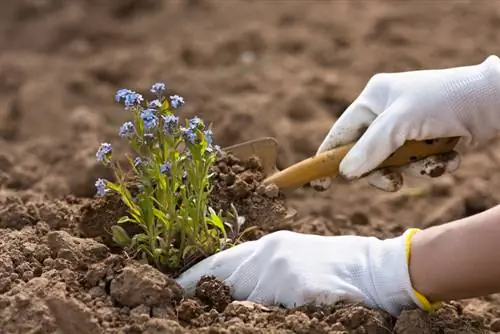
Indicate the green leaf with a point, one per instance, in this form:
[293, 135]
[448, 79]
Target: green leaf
[160, 215]
[120, 236]
[114, 186]
[215, 220]
[125, 219]
[125, 195]
[139, 239]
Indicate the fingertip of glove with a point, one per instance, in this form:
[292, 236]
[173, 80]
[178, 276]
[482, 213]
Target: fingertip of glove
[353, 165]
[434, 166]
[454, 162]
[188, 286]
[322, 184]
[386, 180]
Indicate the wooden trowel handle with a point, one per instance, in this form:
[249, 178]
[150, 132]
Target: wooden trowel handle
[327, 163]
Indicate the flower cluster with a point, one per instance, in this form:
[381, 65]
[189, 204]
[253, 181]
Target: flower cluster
[167, 193]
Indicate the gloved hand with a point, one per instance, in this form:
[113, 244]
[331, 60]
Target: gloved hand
[427, 104]
[293, 269]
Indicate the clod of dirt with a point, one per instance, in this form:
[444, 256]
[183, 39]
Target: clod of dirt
[100, 214]
[213, 293]
[189, 309]
[141, 284]
[102, 273]
[448, 319]
[15, 214]
[76, 250]
[238, 182]
[24, 313]
[342, 318]
[57, 214]
[71, 315]
[163, 326]
[270, 190]
[360, 318]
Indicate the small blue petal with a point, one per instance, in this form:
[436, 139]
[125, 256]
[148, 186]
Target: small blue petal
[196, 123]
[101, 187]
[121, 93]
[133, 99]
[155, 104]
[189, 135]
[103, 152]
[165, 168]
[170, 123]
[149, 117]
[209, 136]
[158, 88]
[176, 101]
[126, 129]
[130, 97]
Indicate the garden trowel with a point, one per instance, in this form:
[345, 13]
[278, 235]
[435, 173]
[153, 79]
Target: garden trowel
[327, 163]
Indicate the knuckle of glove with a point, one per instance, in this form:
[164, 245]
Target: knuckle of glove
[321, 184]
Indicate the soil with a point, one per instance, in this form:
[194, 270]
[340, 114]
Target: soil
[285, 69]
[237, 183]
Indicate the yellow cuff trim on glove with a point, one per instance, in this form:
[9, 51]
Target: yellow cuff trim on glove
[426, 305]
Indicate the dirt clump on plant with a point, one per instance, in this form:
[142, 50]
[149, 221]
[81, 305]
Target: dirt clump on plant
[286, 69]
[239, 182]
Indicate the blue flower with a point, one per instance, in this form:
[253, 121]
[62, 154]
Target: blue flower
[208, 136]
[196, 123]
[165, 168]
[149, 118]
[133, 99]
[126, 129]
[155, 104]
[104, 152]
[176, 101]
[158, 88]
[170, 122]
[130, 97]
[189, 134]
[137, 161]
[101, 187]
[121, 94]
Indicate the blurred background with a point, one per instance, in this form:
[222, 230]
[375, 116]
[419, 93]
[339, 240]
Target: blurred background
[282, 68]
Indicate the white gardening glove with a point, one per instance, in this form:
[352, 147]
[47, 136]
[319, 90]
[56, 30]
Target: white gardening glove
[427, 104]
[293, 269]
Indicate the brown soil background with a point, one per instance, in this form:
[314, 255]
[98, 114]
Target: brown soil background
[254, 68]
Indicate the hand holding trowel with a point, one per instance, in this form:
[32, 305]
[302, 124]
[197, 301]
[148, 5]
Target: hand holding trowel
[399, 122]
[326, 164]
